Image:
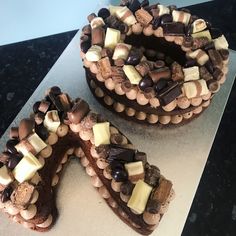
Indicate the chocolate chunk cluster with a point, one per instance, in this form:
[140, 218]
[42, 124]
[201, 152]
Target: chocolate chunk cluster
[161, 53]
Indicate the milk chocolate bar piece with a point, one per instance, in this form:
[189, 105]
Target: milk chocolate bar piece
[104, 66]
[118, 74]
[200, 55]
[177, 72]
[170, 93]
[173, 28]
[65, 101]
[25, 128]
[162, 192]
[143, 17]
[56, 101]
[216, 59]
[144, 67]
[98, 36]
[162, 73]
[217, 74]
[14, 133]
[78, 111]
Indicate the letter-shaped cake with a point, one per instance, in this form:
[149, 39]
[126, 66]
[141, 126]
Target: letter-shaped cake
[59, 127]
[153, 64]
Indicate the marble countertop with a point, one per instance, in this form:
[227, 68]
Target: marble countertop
[24, 65]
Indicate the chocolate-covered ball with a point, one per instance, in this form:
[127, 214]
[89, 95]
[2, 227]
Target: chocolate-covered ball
[127, 188]
[6, 194]
[10, 145]
[166, 18]
[13, 161]
[36, 106]
[104, 13]
[85, 45]
[153, 206]
[119, 175]
[145, 82]
[215, 33]
[41, 131]
[134, 57]
[152, 175]
[156, 23]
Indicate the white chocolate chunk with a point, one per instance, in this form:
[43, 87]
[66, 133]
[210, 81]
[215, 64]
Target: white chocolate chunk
[26, 168]
[125, 15]
[5, 178]
[200, 55]
[199, 25]
[181, 16]
[195, 88]
[204, 88]
[112, 38]
[205, 33]
[190, 90]
[163, 9]
[37, 142]
[139, 197]
[94, 53]
[221, 43]
[97, 22]
[52, 121]
[101, 133]
[191, 73]
[132, 74]
[135, 171]
[121, 51]
[114, 9]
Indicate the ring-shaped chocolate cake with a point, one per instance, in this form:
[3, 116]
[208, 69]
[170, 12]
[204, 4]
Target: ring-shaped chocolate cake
[153, 63]
[38, 150]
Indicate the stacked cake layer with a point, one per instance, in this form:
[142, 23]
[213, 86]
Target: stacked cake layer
[37, 151]
[153, 63]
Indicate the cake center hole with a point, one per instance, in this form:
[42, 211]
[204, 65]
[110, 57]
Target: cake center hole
[170, 49]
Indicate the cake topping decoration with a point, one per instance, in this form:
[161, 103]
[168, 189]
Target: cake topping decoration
[78, 111]
[191, 73]
[132, 74]
[26, 168]
[135, 171]
[101, 133]
[112, 38]
[139, 197]
[94, 53]
[26, 127]
[5, 178]
[198, 25]
[52, 120]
